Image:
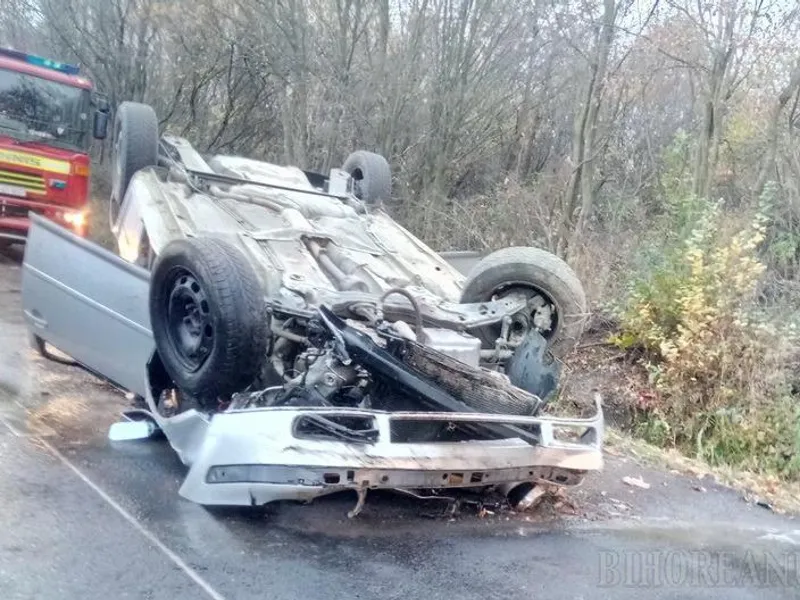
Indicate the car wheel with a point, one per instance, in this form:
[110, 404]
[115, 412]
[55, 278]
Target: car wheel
[372, 176]
[208, 317]
[556, 299]
[135, 147]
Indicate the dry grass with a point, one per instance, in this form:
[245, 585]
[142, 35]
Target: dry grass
[510, 215]
[623, 384]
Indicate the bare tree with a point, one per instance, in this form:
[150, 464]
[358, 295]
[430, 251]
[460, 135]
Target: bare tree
[506, 121]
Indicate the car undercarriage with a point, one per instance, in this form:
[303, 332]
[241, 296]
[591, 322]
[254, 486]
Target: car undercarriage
[291, 340]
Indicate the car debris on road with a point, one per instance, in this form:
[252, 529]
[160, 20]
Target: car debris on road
[636, 482]
[291, 340]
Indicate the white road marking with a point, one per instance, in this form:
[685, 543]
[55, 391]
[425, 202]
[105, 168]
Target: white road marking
[14, 431]
[151, 537]
[788, 537]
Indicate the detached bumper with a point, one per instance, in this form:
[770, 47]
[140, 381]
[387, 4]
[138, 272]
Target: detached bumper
[255, 456]
[14, 229]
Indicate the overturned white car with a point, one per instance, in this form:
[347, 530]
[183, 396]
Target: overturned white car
[291, 340]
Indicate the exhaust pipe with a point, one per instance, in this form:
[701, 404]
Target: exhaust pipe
[523, 495]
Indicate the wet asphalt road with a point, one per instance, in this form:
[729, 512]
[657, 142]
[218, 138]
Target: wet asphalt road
[86, 519]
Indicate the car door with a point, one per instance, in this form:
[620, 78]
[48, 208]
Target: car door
[88, 303]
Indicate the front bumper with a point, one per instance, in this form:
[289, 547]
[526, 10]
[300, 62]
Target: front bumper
[15, 222]
[253, 456]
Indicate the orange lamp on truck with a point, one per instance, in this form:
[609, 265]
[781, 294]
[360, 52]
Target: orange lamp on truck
[48, 116]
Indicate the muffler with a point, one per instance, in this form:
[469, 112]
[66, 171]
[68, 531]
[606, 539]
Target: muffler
[523, 495]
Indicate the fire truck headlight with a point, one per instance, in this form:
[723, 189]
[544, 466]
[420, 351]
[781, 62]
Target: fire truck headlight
[76, 219]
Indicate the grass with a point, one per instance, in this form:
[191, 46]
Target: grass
[623, 384]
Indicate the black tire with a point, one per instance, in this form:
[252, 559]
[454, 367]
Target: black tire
[371, 175]
[135, 148]
[208, 317]
[541, 273]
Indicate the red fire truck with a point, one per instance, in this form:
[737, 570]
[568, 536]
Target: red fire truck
[48, 115]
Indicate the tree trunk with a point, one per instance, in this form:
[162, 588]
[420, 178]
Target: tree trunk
[708, 143]
[768, 164]
[587, 150]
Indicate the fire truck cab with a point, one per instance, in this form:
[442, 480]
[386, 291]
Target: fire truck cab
[48, 117]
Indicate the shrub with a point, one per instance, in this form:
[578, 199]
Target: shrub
[718, 365]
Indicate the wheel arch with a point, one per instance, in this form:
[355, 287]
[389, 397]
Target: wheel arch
[146, 215]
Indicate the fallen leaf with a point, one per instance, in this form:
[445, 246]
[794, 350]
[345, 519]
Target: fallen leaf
[698, 488]
[636, 482]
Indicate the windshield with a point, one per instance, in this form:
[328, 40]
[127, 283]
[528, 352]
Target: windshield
[35, 109]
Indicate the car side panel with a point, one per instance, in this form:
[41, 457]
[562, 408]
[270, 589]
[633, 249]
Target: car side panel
[462, 260]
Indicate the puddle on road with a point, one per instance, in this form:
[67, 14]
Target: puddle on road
[73, 405]
[60, 401]
[58, 415]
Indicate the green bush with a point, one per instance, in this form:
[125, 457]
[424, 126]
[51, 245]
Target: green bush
[718, 366]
